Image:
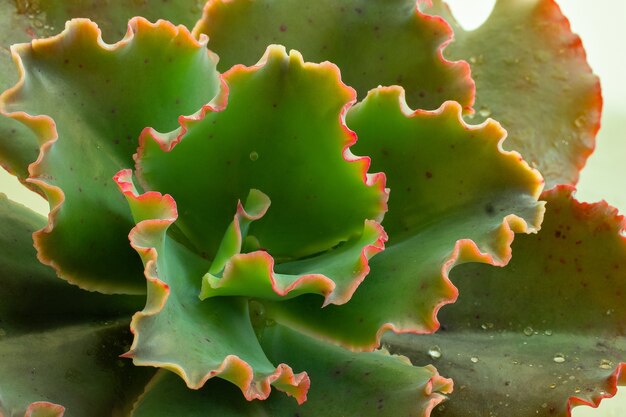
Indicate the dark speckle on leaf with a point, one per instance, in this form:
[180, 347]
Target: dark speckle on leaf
[429, 174]
[489, 209]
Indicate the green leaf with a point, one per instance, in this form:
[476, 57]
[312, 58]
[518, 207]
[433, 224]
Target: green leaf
[88, 102]
[546, 332]
[344, 384]
[293, 148]
[74, 367]
[334, 274]
[18, 145]
[23, 20]
[532, 76]
[112, 15]
[196, 339]
[32, 296]
[373, 42]
[456, 197]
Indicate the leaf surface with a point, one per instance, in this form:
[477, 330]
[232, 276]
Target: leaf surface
[532, 76]
[88, 102]
[74, 367]
[196, 339]
[357, 35]
[455, 197]
[293, 149]
[543, 334]
[32, 296]
[344, 383]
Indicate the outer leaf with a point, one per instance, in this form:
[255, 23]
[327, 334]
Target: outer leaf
[456, 197]
[23, 20]
[32, 297]
[18, 145]
[532, 75]
[112, 15]
[542, 353]
[60, 97]
[357, 35]
[294, 148]
[76, 366]
[344, 384]
[196, 339]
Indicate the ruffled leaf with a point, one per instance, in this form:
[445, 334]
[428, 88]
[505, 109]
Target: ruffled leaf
[75, 369]
[32, 297]
[196, 339]
[532, 76]
[112, 15]
[374, 43]
[545, 333]
[18, 145]
[292, 148]
[456, 197]
[88, 102]
[380, 384]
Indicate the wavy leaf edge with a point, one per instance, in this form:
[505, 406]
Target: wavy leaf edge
[45, 127]
[233, 367]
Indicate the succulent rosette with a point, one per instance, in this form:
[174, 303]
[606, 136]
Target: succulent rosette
[267, 205]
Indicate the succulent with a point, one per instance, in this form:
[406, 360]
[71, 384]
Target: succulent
[270, 207]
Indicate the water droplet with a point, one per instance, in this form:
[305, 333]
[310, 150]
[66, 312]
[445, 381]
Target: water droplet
[38, 23]
[577, 390]
[484, 112]
[552, 386]
[474, 359]
[434, 352]
[548, 332]
[559, 358]
[606, 364]
[472, 59]
[544, 405]
[580, 121]
[254, 156]
[609, 311]
[528, 331]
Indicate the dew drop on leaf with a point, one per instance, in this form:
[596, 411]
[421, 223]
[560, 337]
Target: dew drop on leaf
[484, 112]
[548, 332]
[559, 358]
[606, 364]
[528, 331]
[474, 359]
[434, 352]
[254, 156]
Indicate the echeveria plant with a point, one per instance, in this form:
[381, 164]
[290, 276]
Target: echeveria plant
[305, 185]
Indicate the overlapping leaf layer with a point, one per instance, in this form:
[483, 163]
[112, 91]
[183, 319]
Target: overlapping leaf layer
[284, 227]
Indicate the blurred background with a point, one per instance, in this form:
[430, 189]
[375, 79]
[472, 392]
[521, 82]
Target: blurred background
[602, 27]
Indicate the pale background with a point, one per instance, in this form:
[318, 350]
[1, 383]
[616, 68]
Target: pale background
[602, 26]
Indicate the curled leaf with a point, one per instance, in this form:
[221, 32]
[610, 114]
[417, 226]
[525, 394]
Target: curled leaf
[87, 101]
[532, 76]
[196, 339]
[294, 149]
[357, 35]
[543, 354]
[456, 197]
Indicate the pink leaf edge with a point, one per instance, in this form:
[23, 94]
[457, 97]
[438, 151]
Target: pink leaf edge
[232, 367]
